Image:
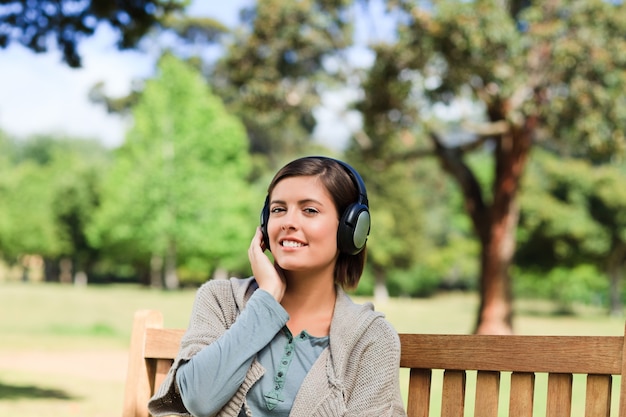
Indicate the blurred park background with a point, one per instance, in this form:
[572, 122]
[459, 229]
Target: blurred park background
[490, 135]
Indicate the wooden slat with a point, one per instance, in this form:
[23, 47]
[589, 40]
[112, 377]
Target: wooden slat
[560, 354]
[559, 402]
[162, 343]
[419, 393]
[522, 394]
[162, 368]
[622, 395]
[487, 394]
[138, 386]
[598, 396]
[453, 394]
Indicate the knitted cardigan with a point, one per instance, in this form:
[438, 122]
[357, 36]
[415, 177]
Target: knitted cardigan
[357, 375]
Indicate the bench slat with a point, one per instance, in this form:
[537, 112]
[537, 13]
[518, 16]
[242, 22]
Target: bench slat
[598, 396]
[559, 395]
[453, 394]
[162, 343]
[577, 354]
[522, 394]
[139, 382]
[162, 368]
[487, 393]
[418, 404]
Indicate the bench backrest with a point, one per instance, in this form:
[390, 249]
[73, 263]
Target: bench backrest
[489, 359]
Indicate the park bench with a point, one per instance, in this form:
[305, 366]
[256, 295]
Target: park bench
[596, 361]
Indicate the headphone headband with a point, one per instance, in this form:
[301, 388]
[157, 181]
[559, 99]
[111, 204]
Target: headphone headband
[356, 178]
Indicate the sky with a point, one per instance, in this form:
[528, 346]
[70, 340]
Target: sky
[40, 94]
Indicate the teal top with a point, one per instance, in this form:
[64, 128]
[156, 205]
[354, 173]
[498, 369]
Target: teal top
[287, 360]
[259, 331]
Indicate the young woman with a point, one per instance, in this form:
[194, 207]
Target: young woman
[289, 341]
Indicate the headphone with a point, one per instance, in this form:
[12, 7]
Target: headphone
[354, 223]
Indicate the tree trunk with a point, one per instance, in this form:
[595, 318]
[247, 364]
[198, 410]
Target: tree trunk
[81, 279]
[615, 265]
[495, 315]
[66, 267]
[220, 273]
[171, 278]
[494, 224]
[496, 308]
[381, 294]
[51, 270]
[156, 269]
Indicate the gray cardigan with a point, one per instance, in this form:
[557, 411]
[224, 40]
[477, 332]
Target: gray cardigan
[358, 375]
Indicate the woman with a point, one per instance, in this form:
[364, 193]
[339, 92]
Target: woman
[289, 341]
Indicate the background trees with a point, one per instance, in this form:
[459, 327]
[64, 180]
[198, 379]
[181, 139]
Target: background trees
[48, 194]
[276, 68]
[177, 194]
[523, 67]
[471, 86]
[572, 230]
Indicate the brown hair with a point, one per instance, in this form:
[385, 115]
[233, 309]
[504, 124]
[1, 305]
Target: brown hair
[344, 192]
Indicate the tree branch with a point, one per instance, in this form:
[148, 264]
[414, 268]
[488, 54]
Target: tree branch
[452, 162]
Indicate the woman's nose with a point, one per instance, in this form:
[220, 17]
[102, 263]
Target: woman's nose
[289, 221]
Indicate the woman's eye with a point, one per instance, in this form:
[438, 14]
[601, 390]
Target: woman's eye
[277, 210]
[310, 210]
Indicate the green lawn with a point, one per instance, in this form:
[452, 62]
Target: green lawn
[63, 349]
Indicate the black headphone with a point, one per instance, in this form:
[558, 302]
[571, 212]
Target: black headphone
[354, 224]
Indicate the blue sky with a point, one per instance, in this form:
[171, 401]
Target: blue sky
[39, 94]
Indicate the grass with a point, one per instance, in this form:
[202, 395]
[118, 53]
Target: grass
[63, 348]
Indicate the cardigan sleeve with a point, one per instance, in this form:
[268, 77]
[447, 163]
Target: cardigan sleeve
[214, 311]
[212, 376]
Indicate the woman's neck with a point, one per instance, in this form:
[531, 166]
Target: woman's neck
[310, 303]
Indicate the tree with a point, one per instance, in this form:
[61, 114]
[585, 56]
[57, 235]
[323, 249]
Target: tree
[27, 223]
[48, 192]
[572, 215]
[524, 68]
[177, 193]
[274, 71]
[33, 23]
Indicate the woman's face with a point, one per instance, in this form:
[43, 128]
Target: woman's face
[302, 225]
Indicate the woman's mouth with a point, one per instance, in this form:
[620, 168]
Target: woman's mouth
[291, 244]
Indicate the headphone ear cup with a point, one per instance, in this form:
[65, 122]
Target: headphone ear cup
[354, 228]
[265, 215]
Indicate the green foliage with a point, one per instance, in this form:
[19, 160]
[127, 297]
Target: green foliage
[566, 286]
[485, 58]
[415, 282]
[583, 60]
[180, 180]
[47, 194]
[27, 223]
[274, 71]
[571, 211]
[572, 221]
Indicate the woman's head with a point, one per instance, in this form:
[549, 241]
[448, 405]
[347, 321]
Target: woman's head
[345, 190]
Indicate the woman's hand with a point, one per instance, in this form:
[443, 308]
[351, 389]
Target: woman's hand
[269, 276]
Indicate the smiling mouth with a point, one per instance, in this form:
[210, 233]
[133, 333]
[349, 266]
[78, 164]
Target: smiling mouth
[291, 244]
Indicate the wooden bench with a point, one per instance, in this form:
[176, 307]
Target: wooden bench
[486, 360]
